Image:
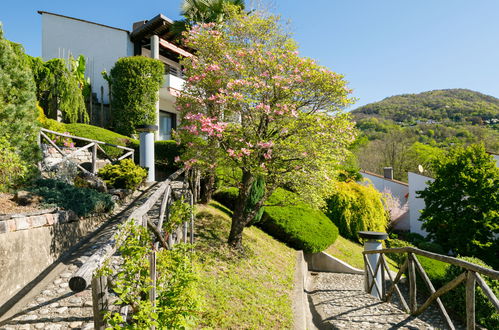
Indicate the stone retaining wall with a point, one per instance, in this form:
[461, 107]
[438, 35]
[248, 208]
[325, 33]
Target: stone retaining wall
[15, 222]
[51, 156]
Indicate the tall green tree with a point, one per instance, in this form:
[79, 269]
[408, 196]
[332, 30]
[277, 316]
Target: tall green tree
[462, 204]
[18, 111]
[252, 103]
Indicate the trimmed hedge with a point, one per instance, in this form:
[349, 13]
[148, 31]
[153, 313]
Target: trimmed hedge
[165, 152]
[124, 174]
[298, 225]
[100, 134]
[226, 196]
[83, 201]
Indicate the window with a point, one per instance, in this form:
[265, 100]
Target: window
[167, 122]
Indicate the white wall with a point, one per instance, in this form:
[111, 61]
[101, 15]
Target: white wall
[398, 189]
[417, 182]
[102, 46]
[496, 158]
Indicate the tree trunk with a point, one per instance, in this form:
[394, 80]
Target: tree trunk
[240, 217]
[207, 187]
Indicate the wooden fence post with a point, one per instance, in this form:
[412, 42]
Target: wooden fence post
[152, 275]
[412, 284]
[99, 301]
[470, 300]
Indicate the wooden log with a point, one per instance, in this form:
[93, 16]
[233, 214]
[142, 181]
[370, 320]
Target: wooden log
[430, 286]
[81, 279]
[152, 276]
[402, 300]
[412, 284]
[366, 275]
[382, 269]
[444, 289]
[162, 208]
[397, 279]
[374, 275]
[157, 233]
[470, 300]
[99, 301]
[84, 139]
[488, 291]
[94, 158]
[450, 260]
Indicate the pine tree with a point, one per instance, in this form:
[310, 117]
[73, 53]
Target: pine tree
[18, 111]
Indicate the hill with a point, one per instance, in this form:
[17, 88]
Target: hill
[446, 105]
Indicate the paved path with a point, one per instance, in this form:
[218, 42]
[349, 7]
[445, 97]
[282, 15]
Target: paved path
[338, 301]
[54, 305]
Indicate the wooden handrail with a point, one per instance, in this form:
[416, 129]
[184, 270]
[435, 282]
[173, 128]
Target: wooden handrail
[85, 139]
[451, 260]
[82, 278]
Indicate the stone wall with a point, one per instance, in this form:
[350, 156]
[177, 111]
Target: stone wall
[51, 156]
[30, 243]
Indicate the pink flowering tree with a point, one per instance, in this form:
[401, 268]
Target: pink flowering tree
[251, 103]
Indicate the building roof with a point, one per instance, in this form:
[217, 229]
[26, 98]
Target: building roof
[82, 20]
[158, 25]
[382, 177]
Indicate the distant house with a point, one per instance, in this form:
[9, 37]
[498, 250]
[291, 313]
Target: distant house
[103, 45]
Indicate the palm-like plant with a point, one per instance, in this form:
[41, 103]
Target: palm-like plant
[202, 11]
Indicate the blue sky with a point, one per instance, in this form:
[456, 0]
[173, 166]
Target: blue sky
[383, 47]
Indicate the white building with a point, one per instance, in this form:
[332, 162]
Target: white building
[103, 45]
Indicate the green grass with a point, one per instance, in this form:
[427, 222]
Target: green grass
[244, 290]
[351, 253]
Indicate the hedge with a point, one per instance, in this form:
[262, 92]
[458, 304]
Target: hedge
[226, 196]
[355, 207]
[165, 152]
[297, 224]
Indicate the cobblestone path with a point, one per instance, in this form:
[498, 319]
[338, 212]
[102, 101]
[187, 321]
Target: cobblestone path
[338, 301]
[54, 305]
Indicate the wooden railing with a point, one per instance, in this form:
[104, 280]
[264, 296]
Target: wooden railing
[94, 144]
[471, 275]
[185, 231]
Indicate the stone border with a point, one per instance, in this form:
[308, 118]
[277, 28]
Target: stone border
[323, 262]
[36, 219]
[302, 315]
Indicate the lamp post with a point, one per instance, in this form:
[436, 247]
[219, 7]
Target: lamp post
[374, 242]
[147, 149]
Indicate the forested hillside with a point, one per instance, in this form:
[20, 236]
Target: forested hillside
[446, 105]
[405, 131]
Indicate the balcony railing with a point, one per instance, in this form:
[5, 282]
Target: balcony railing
[172, 81]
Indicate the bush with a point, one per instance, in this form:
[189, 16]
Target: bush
[135, 82]
[226, 196]
[18, 103]
[100, 134]
[486, 314]
[83, 201]
[12, 168]
[354, 207]
[165, 152]
[124, 174]
[298, 225]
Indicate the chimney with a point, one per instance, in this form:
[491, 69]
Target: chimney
[388, 173]
[138, 24]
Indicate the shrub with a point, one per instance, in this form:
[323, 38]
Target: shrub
[354, 207]
[124, 174]
[83, 201]
[135, 82]
[165, 152]
[298, 225]
[12, 168]
[486, 314]
[18, 102]
[100, 134]
[226, 196]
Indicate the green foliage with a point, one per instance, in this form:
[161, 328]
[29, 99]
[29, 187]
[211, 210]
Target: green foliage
[180, 212]
[124, 174]
[456, 200]
[83, 201]
[177, 301]
[486, 314]
[226, 196]
[257, 191]
[100, 134]
[354, 207]
[165, 153]
[17, 103]
[12, 169]
[58, 88]
[296, 223]
[135, 82]
[459, 105]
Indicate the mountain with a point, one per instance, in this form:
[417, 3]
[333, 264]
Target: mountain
[461, 106]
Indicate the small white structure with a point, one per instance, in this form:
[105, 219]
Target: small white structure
[417, 182]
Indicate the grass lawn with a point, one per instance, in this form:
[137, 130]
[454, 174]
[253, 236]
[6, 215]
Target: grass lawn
[249, 289]
[351, 253]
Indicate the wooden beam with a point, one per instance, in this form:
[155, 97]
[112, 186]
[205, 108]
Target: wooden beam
[397, 279]
[174, 48]
[470, 300]
[402, 300]
[412, 284]
[99, 301]
[488, 291]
